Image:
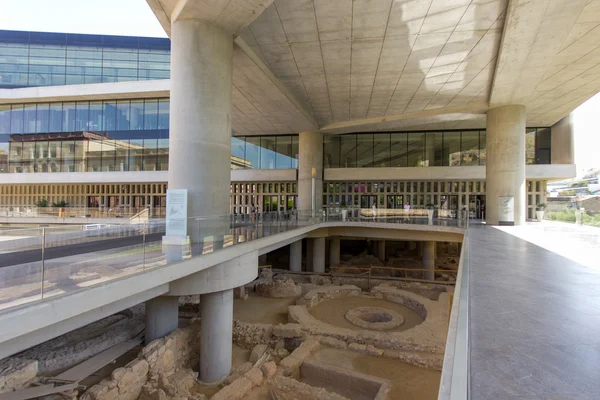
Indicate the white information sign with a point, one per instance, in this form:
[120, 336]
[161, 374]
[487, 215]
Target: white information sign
[176, 212]
[506, 211]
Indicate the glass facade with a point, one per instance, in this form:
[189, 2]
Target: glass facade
[264, 152]
[49, 59]
[406, 149]
[537, 146]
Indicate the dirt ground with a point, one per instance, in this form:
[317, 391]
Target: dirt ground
[264, 310]
[408, 382]
[333, 312]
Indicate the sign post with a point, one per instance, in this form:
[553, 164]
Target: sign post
[506, 211]
[176, 242]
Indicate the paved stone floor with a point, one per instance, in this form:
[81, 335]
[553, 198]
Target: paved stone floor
[535, 314]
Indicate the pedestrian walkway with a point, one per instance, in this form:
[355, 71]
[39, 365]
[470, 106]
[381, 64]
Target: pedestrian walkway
[535, 313]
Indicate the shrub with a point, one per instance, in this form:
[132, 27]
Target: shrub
[42, 203]
[60, 204]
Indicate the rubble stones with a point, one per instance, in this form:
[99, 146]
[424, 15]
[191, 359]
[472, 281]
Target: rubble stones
[255, 375]
[269, 369]
[287, 330]
[257, 352]
[16, 373]
[302, 391]
[365, 349]
[234, 391]
[248, 335]
[278, 289]
[323, 293]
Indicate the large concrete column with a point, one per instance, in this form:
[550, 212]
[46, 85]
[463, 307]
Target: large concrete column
[334, 251]
[505, 166]
[429, 260]
[200, 120]
[296, 256]
[310, 157]
[162, 317]
[216, 329]
[318, 253]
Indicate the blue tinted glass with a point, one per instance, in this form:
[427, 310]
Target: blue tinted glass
[136, 118]
[4, 118]
[95, 118]
[43, 118]
[16, 119]
[267, 152]
[253, 152]
[82, 116]
[238, 150]
[123, 115]
[150, 114]
[283, 157]
[163, 114]
[110, 116]
[55, 117]
[29, 118]
[68, 113]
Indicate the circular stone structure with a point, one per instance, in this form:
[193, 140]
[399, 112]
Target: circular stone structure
[376, 318]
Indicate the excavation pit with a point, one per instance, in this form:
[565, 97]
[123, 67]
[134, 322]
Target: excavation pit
[376, 318]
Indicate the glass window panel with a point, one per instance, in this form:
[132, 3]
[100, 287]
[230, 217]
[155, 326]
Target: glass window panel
[93, 155]
[253, 152]
[16, 118]
[68, 114]
[29, 118]
[109, 150]
[55, 117]
[149, 155]
[398, 150]
[95, 117]
[123, 112]
[451, 152]
[295, 150]
[331, 151]
[43, 118]
[136, 155]
[469, 154]
[151, 114]
[434, 149]
[364, 150]
[381, 150]
[482, 147]
[82, 116]
[416, 149]
[122, 155]
[162, 159]
[530, 146]
[4, 154]
[136, 118]
[283, 158]
[543, 146]
[163, 114]
[267, 152]
[348, 151]
[238, 153]
[109, 120]
[4, 118]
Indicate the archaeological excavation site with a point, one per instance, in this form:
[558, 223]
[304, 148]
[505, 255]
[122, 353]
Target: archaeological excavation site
[372, 326]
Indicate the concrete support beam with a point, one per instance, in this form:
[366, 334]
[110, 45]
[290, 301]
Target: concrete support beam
[216, 313]
[318, 255]
[200, 127]
[334, 251]
[310, 160]
[162, 317]
[505, 166]
[296, 256]
[381, 250]
[429, 260]
[562, 139]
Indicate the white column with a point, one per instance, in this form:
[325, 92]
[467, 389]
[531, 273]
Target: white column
[216, 313]
[429, 259]
[505, 165]
[310, 156]
[334, 251]
[162, 317]
[200, 121]
[296, 256]
[318, 255]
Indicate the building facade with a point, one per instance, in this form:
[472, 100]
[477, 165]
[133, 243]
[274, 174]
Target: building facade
[97, 136]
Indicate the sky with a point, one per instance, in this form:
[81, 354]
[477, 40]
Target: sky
[135, 18]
